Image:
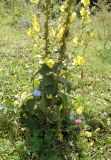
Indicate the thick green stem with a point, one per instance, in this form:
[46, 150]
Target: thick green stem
[47, 14]
[66, 24]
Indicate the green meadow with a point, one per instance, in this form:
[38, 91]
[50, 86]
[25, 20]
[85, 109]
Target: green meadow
[91, 89]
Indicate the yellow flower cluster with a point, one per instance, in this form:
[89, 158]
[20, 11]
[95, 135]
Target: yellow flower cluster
[34, 1]
[60, 33]
[79, 60]
[85, 14]
[49, 62]
[85, 2]
[35, 24]
[35, 27]
[30, 32]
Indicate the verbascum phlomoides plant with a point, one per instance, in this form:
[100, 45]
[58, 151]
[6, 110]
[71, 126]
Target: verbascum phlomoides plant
[46, 112]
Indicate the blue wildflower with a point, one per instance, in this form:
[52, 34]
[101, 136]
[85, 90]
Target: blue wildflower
[37, 93]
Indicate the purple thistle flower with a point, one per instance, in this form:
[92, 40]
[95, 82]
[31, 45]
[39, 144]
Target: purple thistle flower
[37, 93]
[78, 122]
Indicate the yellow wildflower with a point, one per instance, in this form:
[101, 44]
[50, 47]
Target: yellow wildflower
[35, 24]
[60, 34]
[49, 62]
[37, 27]
[34, 1]
[88, 134]
[30, 32]
[83, 12]
[85, 2]
[72, 16]
[79, 60]
[63, 7]
[79, 110]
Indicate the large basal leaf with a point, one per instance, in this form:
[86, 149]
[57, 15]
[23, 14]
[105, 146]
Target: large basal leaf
[29, 105]
[48, 80]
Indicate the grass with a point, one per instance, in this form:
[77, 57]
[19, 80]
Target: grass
[18, 63]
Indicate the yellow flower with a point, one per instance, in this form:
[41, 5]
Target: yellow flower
[88, 134]
[35, 24]
[37, 27]
[49, 62]
[72, 16]
[79, 110]
[63, 7]
[83, 12]
[30, 32]
[34, 1]
[60, 34]
[79, 60]
[85, 2]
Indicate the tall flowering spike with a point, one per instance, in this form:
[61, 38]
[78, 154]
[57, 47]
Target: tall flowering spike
[46, 26]
[66, 18]
[84, 12]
